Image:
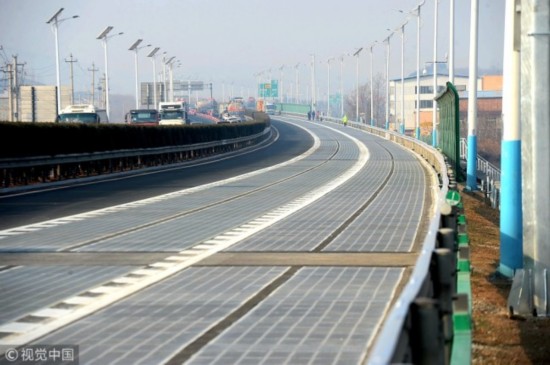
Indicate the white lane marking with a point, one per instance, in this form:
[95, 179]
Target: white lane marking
[50, 313]
[78, 300]
[21, 333]
[17, 327]
[104, 289]
[117, 208]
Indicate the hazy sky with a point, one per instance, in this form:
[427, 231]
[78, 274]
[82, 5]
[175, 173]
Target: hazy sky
[223, 41]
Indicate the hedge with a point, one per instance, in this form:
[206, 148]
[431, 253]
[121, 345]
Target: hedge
[18, 139]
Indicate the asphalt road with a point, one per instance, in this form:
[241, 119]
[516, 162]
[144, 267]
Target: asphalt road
[22, 208]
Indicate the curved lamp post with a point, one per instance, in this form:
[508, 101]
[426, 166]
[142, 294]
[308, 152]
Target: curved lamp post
[55, 21]
[135, 47]
[103, 36]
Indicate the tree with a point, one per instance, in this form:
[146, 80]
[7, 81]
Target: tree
[379, 90]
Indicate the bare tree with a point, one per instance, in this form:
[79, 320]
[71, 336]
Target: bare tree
[379, 99]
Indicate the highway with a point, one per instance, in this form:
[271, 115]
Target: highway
[290, 252]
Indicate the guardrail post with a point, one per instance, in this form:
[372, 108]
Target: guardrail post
[462, 343]
[449, 217]
[427, 339]
[446, 239]
[443, 273]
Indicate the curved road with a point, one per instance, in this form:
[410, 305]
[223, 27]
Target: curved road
[288, 254]
[21, 207]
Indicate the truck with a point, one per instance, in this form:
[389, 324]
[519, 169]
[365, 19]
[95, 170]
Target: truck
[173, 113]
[82, 113]
[270, 108]
[145, 117]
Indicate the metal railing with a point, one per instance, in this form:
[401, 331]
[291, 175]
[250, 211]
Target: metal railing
[30, 170]
[488, 175]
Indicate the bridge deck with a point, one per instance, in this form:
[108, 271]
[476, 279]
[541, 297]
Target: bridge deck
[277, 267]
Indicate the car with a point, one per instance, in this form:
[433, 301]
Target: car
[230, 119]
[233, 119]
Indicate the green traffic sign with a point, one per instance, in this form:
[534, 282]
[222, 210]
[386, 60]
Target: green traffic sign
[453, 198]
[269, 89]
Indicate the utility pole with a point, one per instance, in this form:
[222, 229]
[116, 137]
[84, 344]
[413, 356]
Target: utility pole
[93, 70]
[15, 90]
[10, 92]
[71, 61]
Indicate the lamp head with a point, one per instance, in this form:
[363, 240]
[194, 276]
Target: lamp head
[105, 32]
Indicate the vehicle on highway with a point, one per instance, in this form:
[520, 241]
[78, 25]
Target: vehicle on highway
[236, 106]
[82, 113]
[270, 109]
[230, 118]
[173, 113]
[146, 117]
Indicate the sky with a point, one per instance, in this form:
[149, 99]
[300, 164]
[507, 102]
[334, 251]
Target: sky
[227, 43]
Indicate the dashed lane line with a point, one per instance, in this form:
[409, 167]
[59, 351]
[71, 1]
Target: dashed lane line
[20, 332]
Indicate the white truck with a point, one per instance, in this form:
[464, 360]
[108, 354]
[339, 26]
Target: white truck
[82, 113]
[270, 108]
[173, 113]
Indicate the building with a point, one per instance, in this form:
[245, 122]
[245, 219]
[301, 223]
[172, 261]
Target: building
[489, 117]
[426, 97]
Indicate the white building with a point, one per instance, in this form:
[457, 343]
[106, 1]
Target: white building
[426, 97]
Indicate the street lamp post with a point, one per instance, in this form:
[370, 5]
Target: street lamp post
[342, 85]
[163, 88]
[135, 47]
[328, 86]
[313, 96]
[282, 86]
[152, 55]
[55, 21]
[258, 80]
[297, 90]
[177, 65]
[471, 167]
[402, 124]
[452, 42]
[417, 119]
[387, 40]
[434, 70]
[372, 86]
[167, 91]
[103, 37]
[356, 54]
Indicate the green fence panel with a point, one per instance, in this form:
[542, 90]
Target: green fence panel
[294, 108]
[449, 128]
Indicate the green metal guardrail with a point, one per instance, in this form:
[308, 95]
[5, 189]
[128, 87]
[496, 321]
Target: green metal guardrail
[449, 132]
[462, 306]
[449, 128]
